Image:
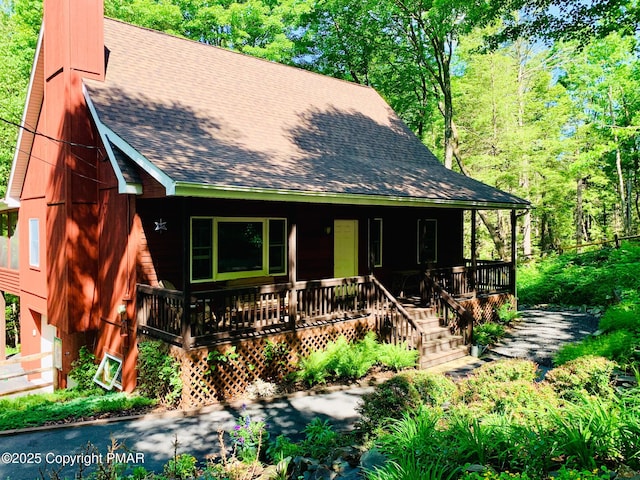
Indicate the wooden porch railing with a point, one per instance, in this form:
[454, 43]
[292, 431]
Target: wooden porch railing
[488, 278]
[218, 315]
[447, 308]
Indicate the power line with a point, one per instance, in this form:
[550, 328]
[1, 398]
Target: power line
[59, 140]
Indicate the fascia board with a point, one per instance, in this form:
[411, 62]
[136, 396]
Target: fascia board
[108, 136]
[226, 192]
[32, 109]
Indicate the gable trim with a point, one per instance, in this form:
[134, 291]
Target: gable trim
[109, 137]
[30, 117]
[263, 194]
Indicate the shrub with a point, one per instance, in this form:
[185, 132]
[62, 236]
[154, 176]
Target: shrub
[158, 373]
[507, 313]
[397, 357]
[488, 333]
[83, 370]
[620, 346]
[401, 394]
[507, 371]
[588, 375]
[624, 316]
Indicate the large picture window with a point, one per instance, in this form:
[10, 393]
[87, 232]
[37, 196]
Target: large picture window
[226, 248]
[427, 241]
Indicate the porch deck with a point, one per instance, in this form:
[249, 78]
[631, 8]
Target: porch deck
[211, 317]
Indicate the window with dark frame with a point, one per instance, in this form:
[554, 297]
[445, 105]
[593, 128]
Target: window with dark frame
[427, 241]
[375, 242]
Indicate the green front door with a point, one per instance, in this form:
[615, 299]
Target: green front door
[345, 248]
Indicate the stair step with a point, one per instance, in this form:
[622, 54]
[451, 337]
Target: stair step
[433, 332]
[421, 313]
[442, 344]
[433, 359]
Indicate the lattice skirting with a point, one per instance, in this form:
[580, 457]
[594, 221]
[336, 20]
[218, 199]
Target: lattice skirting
[485, 309]
[206, 382]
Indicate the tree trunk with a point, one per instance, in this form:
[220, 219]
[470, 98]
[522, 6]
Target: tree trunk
[579, 216]
[621, 187]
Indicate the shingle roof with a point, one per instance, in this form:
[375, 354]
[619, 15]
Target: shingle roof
[212, 120]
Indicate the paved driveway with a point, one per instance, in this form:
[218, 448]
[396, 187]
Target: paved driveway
[150, 439]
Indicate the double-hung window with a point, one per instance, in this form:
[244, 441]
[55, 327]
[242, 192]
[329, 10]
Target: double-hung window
[224, 248]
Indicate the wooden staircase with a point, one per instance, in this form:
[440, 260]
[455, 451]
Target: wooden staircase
[439, 345]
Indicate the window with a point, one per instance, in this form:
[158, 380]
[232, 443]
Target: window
[201, 249]
[34, 242]
[109, 372]
[226, 248]
[9, 257]
[427, 243]
[375, 242]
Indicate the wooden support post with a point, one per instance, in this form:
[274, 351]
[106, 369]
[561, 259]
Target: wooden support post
[474, 252]
[514, 258]
[185, 322]
[3, 327]
[292, 242]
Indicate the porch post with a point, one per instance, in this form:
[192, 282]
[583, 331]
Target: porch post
[3, 327]
[514, 257]
[474, 251]
[185, 321]
[292, 240]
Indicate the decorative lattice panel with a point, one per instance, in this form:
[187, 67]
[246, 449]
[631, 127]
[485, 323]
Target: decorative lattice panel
[206, 382]
[484, 309]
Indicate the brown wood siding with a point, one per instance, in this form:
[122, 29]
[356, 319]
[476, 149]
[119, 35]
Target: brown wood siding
[164, 254]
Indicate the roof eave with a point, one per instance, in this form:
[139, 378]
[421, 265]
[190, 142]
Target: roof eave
[185, 189]
[30, 116]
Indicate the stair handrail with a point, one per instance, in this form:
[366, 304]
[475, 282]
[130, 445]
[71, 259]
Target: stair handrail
[395, 301]
[466, 319]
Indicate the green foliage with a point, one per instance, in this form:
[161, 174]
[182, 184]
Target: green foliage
[249, 437]
[276, 357]
[158, 372]
[181, 467]
[397, 357]
[83, 370]
[624, 316]
[507, 313]
[402, 394]
[620, 346]
[37, 410]
[594, 278]
[350, 361]
[488, 333]
[217, 358]
[586, 375]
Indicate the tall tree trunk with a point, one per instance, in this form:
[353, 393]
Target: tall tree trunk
[579, 215]
[521, 58]
[621, 187]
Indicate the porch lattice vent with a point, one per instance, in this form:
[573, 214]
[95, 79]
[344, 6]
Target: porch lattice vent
[203, 385]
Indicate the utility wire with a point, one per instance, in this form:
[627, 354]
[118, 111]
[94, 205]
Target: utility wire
[59, 140]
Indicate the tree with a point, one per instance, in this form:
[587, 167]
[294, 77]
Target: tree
[19, 26]
[577, 20]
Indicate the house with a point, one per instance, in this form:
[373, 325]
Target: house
[180, 191]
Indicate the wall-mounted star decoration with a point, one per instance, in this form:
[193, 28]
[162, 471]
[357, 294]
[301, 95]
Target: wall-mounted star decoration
[161, 226]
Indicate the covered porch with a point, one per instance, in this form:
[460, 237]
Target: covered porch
[211, 317]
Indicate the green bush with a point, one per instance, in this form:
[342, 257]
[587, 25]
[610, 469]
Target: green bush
[83, 370]
[620, 346]
[158, 372]
[506, 371]
[488, 333]
[342, 360]
[587, 375]
[401, 394]
[625, 316]
[594, 278]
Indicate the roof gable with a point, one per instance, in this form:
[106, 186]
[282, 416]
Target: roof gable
[213, 121]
